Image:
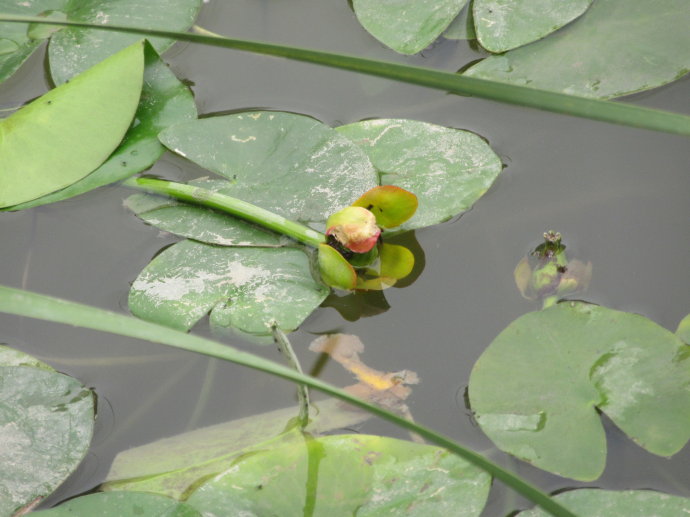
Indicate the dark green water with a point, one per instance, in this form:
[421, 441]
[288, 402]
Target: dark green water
[618, 195]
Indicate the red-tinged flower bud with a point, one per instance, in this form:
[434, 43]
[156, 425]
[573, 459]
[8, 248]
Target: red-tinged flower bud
[355, 228]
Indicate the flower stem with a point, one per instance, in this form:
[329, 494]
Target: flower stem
[230, 205]
[288, 352]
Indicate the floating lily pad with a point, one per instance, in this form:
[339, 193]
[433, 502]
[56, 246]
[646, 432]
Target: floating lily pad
[506, 24]
[406, 26]
[119, 504]
[56, 140]
[617, 47]
[46, 423]
[347, 475]
[536, 390]
[73, 50]
[250, 289]
[447, 169]
[627, 503]
[173, 466]
[290, 164]
[16, 44]
[164, 101]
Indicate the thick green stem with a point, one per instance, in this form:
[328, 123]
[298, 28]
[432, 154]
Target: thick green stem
[231, 205]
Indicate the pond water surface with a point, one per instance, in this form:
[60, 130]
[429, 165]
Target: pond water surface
[618, 195]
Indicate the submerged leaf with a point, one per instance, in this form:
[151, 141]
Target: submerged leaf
[289, 164]
[540, 382]
[119, 504]
[506, 24]
[447, 169]
[346, 475]
[616, 48]
[56, 140]
[683, 330]
[164, 101]
[74, 49]
[249, 289]
[406, 26]
[592, 502]
[46, 423]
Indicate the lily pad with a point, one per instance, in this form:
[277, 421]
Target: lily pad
[56, 140]
[506, 24]
[536, 390]
[46, 423]
[616, 48]
[448, 169]
[290, 164]
[164, 101]
[16, 45]
[627, 503]
[347, 475]
[118, 504]
[73, 50]
[406, 26]
[250, 289]
[173, 466]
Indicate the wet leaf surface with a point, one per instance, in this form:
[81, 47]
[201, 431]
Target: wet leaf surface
[58, 132]
[344, 475]
[616, 48]
[406, 26]
[46, 423]
[536, 390]
[506, 24]
[290, 164]
[627, 503]
[447, 169]
[249, 289]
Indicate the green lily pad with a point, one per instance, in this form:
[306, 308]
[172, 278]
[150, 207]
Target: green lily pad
[164, 101]
[73, 50]
[46, 420]
[683, 331]
[55, 141]
[463, 26]
[249, 289]
[447, 169]
[406, 26]
[16, 45]
[290, 164]
[335, 270]
[506, 24]
[173, 466]
[199, 223]
[391, 205]
[119, 504]
[346, 475]
[627, 503]
[616, 48]
[536, 390]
